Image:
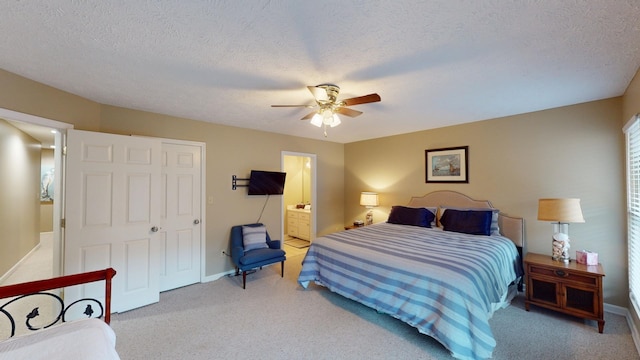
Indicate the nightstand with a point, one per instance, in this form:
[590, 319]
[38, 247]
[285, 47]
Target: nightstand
[570, 288]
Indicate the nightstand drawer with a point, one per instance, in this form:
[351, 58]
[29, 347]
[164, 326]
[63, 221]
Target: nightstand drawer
[566, 275]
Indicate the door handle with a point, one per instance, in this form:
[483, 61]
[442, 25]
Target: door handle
[154, 229]
[196, 221]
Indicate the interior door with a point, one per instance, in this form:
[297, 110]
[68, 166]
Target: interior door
[112, 214]
[180, 215]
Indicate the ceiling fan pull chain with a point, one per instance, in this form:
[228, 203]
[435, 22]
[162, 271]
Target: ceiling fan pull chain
[325, 130]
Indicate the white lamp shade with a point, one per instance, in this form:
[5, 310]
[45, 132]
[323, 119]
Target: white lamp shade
[336, 121]
[369, 199]
[316, 120]
[325, 117]
[560, 210]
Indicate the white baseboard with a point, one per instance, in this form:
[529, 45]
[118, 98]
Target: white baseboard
[217, 276]
[15, 267]
[619, 310]
[634, 333]
[615, 309]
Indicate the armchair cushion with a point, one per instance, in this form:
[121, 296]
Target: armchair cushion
[254, 237]
[260, 257]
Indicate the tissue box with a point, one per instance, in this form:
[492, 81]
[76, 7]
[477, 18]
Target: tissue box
[586, 257]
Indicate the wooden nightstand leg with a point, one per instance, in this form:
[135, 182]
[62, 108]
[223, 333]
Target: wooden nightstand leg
[600, 326]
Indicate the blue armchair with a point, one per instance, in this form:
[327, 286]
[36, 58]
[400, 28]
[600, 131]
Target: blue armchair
[256, 251]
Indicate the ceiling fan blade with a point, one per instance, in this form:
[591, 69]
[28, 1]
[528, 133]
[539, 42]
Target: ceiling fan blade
[347, 112]
[307, 106]
[318, 93]
[309, 115]
[362, 99]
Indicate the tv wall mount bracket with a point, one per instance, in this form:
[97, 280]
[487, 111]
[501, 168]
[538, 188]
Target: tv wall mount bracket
[234, 182]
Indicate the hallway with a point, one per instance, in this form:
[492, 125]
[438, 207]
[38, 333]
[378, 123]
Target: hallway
[36, 265]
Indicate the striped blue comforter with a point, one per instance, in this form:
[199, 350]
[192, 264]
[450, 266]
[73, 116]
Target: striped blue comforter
[445, 284]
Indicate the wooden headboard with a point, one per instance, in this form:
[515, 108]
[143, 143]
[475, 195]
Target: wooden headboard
[510, 227]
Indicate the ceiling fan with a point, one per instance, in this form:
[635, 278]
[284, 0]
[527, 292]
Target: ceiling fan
[328, 106]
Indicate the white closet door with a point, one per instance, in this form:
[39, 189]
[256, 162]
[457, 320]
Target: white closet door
[180, 215]
[112, 215]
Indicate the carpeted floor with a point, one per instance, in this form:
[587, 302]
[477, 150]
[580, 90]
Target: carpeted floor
[275, 318]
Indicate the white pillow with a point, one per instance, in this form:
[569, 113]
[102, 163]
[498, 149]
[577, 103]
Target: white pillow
[254, 237]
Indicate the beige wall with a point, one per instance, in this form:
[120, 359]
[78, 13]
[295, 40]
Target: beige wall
[630, 107]
[20, 194]
[230, 151]
[293, 190]
[298, 180]
[573, 151]
[30, 97]
[46, 217]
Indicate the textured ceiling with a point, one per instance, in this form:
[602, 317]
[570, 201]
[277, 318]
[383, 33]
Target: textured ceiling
[434, 63]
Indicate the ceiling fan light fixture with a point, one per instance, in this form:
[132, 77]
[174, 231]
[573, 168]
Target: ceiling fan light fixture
[329, 118]
[336, 121]
[328, 107]
[316, 120]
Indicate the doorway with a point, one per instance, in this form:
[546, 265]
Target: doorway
[298, 201]
[188, 264]
[49, 133]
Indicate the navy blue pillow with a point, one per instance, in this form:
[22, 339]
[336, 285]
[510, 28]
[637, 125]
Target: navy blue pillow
[466, 221]
[411, 216]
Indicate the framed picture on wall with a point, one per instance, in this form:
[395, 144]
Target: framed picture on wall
[447, 165]
[46, 184]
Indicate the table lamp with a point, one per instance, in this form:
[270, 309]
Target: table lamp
[561, 212]
[369, 200]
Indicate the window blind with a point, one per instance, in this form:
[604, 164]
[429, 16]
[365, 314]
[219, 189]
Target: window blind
[632, 136]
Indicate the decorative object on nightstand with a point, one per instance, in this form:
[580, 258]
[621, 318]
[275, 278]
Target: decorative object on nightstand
[349, 227]
[369, 200]
[586, 257]
[561, 212]
[570, 288]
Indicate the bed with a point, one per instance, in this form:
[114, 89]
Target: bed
[39, 325]
[444, 282]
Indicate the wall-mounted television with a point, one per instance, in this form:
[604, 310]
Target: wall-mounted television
[266, 182]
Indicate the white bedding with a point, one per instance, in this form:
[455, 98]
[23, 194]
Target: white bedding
[82, 339]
